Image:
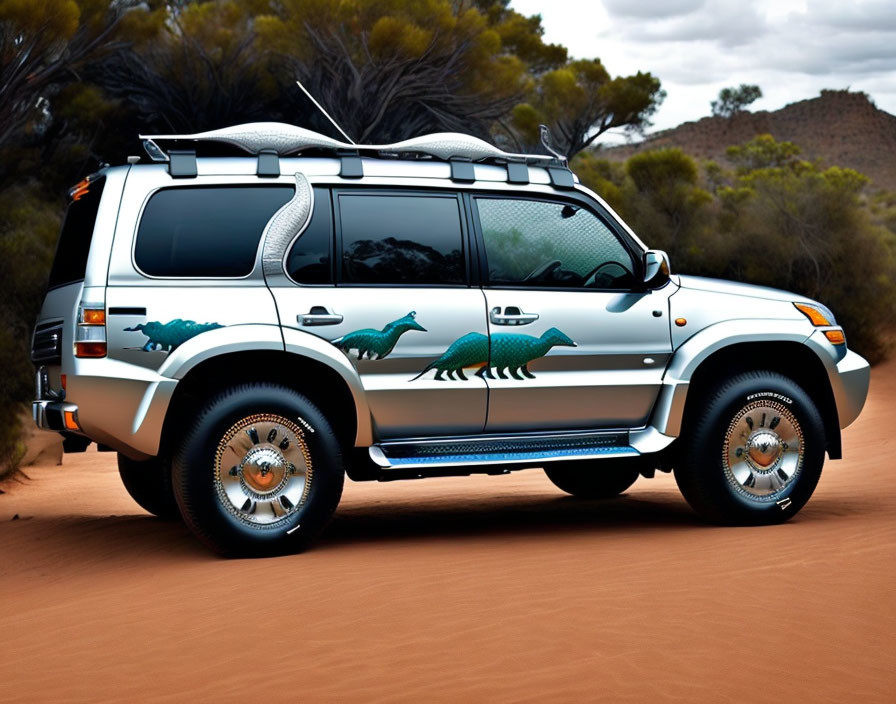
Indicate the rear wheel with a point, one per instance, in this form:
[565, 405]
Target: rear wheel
[754, 452]
[594, 479]
[149, 484]
[258, 472]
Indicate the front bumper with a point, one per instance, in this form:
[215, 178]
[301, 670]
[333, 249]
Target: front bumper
[854, 374]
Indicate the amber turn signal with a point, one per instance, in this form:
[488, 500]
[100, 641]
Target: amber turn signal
[813, 314]
[93, 316]
[70, 422]
[90, 349]
[681, 322]
[835, 337]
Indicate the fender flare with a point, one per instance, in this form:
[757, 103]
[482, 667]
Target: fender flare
[668, 412]
[254, 337]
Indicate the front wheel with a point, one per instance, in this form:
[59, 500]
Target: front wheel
[754, 451]
[594, 479]
[258, 472]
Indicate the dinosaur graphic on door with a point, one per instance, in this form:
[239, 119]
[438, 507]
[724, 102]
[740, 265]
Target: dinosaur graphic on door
[376, 344]
[509, 353]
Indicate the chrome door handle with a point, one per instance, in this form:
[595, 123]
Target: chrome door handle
[319, 315]
[511, 315]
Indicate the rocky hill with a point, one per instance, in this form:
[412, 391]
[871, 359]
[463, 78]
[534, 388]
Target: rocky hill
[839, 127]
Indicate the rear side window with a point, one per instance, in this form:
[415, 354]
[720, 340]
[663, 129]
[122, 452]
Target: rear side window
[401, 239]
[205, 231]
[73, 248]
[308, 261]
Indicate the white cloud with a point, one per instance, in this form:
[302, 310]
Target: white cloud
[790, 48]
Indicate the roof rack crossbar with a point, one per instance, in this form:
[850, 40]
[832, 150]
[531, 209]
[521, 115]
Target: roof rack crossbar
[290, 139]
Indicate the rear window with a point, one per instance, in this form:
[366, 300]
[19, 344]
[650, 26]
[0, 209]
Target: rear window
[308, 261]
[73, 247]
[401, 239]
[205, 231]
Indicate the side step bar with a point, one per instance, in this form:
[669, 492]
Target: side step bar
[500, 450]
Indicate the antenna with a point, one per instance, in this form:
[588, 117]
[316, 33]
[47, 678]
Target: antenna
[547, 141]
[326, 114]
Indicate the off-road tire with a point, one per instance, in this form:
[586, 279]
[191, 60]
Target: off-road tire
[197, 486]
[149, 484]
[703, 468]
[594, 479]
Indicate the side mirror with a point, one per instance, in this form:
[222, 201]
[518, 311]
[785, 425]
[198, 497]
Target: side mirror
[656, 267]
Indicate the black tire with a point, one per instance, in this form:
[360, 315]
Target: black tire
[711, 446]
[149, 484]
[594, 479]
[199, 472]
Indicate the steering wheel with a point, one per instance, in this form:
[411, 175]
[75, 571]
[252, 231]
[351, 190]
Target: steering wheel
[591, 277]
[540, 272]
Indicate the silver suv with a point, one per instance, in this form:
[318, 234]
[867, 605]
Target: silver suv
[262, 310]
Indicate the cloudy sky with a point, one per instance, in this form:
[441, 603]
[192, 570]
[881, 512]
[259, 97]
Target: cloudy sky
[790, 48]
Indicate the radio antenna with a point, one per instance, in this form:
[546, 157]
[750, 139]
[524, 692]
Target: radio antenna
[326, 114]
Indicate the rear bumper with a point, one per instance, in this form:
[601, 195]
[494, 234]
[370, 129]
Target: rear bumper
[55, 415]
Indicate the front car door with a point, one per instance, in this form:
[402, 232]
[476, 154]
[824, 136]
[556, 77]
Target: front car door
[396, 297]
[573, 343]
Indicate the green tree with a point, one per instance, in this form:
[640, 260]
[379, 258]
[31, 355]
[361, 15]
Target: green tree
[580, 101]
[734, 100]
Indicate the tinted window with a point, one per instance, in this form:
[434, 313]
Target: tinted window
[197, 231]
[390, 239]
[540, 243]
[70, 261]
[308, 262]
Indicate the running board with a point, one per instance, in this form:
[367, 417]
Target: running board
[501, 450]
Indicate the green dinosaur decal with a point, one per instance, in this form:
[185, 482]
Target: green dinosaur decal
[511, 353]
[377, 344]
[466, 351]
[169, 336]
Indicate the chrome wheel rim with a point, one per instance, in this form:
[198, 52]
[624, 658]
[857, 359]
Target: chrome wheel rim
[263, 469]
[763, 453]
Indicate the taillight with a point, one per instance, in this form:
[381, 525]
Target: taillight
[90, 337]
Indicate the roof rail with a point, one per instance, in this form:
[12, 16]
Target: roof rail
[269, 139]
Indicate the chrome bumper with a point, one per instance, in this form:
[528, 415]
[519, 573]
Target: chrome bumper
[50, 415]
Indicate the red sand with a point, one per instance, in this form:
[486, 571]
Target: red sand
[466, 589]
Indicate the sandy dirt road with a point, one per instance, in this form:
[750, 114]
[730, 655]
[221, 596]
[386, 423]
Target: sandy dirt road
[466, 589]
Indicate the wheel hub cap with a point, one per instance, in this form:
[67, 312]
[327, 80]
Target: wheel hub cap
[763, 452]
[263, 469]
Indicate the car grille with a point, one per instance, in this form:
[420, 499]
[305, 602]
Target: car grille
[46, 345]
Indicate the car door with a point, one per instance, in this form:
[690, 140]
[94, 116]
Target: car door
[573, 343]
[394, 300]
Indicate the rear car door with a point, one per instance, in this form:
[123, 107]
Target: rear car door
[393, 298]
[573, 343]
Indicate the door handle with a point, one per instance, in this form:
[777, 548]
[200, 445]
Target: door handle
[511, 315]
[319, 315]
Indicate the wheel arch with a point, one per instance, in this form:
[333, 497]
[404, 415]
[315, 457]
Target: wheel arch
[324, 386]
[790, 358]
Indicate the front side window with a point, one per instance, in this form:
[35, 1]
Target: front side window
[205, 231]
[550, 244]
[401, 239]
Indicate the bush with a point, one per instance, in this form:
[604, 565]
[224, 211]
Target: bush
[27, 237]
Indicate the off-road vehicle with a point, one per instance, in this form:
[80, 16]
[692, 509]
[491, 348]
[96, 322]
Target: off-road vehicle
[260, 310]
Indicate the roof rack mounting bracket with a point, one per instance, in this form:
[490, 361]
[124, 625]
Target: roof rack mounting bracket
[268, 164]
[462, 170]
[517, 172]
[350, 164]
[182, 163]
[561, 177]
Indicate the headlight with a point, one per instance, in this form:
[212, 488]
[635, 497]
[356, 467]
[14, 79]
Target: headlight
[819, 315]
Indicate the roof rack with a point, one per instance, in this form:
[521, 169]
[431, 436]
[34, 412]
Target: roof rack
[271, 140]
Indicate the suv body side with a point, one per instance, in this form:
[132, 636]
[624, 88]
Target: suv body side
[123, 400]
